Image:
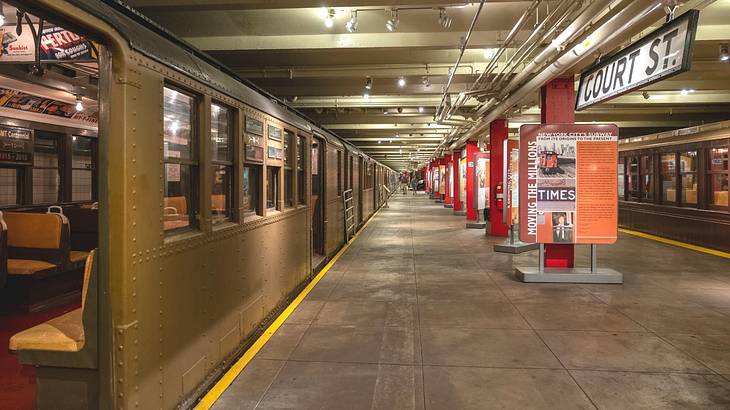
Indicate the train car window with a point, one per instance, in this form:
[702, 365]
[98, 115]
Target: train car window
[621, 178]
[688, 173]
[46, 179]
[669, 178]
[289, 145]
[633, 178]
[301, 171]
[339, 173]
[272, 187]
[221, 119]
[180, 157]
[251, 190]
[647, 178]
[718, 174]
[8, 186]
[82, 168]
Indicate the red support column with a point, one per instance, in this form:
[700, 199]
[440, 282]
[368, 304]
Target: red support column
[498, 134]
[471, 206]
[455, 158]
[557, 105]
[448, 199]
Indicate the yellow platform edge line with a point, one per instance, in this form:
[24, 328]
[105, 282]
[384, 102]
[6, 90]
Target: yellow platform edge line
[668, 241]
[222, 385]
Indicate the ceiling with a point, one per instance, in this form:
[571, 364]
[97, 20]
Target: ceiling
[285, 47]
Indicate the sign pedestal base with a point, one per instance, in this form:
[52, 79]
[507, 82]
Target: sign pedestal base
[439, 200]
[476, 225]
[514, 245]
[460, 213]
[594, 274]
[448, 205]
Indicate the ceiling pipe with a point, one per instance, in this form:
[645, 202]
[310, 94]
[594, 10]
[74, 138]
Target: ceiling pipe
[625, 20]
[461, 54]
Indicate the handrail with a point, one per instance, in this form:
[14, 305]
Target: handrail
[348, 213]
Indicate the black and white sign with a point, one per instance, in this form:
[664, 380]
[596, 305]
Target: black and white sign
[665, 52]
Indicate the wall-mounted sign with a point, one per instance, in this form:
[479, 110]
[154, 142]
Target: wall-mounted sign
[59, 44]
[664, 52]
[254, 147]
[18, 47]
[462, 180]
[274, 133]
[16, 144]
[513, 182]
[254, 126]
[442, 179]
[568, 183]
[481, 179]
[276, 152]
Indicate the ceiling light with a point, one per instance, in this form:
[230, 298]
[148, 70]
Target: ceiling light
[444, 19]
[400, 110]
[489, 53]
[425, 81]
[687, 91]
[79, 103]
[379, 141]
[366, 95]
[420, 109]
[385, 111]
[369, 84]
[402, 82]
[329, 19]
[392, 23]
[351, 24]
[724, 55]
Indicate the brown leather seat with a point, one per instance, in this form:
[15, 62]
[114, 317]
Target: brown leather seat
[37, 243]
[29, 267]
[176, 212]
[61, 334]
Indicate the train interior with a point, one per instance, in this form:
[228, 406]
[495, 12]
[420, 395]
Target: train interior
[49, 184]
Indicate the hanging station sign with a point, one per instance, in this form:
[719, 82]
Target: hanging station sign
[664, 52]
[16, 144]
[568, 183]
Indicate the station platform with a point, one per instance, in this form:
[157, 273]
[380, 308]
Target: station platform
[422, 313]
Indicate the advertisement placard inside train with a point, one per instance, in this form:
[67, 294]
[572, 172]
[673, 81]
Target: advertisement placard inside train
[18, 43]
[568, 183]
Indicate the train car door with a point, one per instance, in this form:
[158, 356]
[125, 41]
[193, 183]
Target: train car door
[317, 201]
[361, 179]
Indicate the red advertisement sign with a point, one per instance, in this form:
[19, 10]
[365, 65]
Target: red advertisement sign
[568, 183]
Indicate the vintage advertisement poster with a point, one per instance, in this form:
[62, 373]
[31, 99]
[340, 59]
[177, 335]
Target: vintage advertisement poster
[436, 181]
[481, 176]
[568, 181]
[18, 100]
[18, 47]
[462, 181]
[59, 44]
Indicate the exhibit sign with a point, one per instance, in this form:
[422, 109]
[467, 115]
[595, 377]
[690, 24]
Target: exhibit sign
[442, 172]
[16, 144]
[451, 179]
[513, 182]
[462, 181]
[665, 52]
[436, 181]
[568, 183]
[481, 179]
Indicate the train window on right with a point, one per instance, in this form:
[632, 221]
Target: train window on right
[718, 173]
[688, 175]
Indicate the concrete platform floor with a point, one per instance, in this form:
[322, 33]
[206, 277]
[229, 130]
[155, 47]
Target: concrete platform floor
[421, 313]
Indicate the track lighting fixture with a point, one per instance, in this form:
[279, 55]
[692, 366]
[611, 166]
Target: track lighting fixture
[402, 82]
[369, 83]
[351, 24]
[646, 95]
[385, 111]
[365, 95]
[79, 103]
[444, 19]
[420, 109]
[400, 110]
[724, 55]
[392, 23]
[329, 19]
[425, 81]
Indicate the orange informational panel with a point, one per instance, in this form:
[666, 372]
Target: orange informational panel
[442, 178]
[568, 183]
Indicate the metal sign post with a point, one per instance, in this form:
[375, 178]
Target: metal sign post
[594, 274]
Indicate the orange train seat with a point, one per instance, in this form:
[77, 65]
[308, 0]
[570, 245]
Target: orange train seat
[176, 212]
[3, 251]
[38, 244]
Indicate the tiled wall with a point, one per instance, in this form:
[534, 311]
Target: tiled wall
[8, 178]
[45, 179]
[81, 185]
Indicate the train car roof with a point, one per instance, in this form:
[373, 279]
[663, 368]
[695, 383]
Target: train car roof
[150, 39]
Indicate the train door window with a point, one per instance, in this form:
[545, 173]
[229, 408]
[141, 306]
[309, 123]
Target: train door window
[621, 178]
[633, 178]
[669, 178]
[688, 173]
[251, 190]
[339, 172]
[718, 174]
[221, 119]
[272, 187]
[301, 171]
[180, 157]
[46, 179]
[8, 186]
[289, 145]
[647, 178]
[82, 168]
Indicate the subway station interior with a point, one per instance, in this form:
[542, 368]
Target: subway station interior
[344, 204]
